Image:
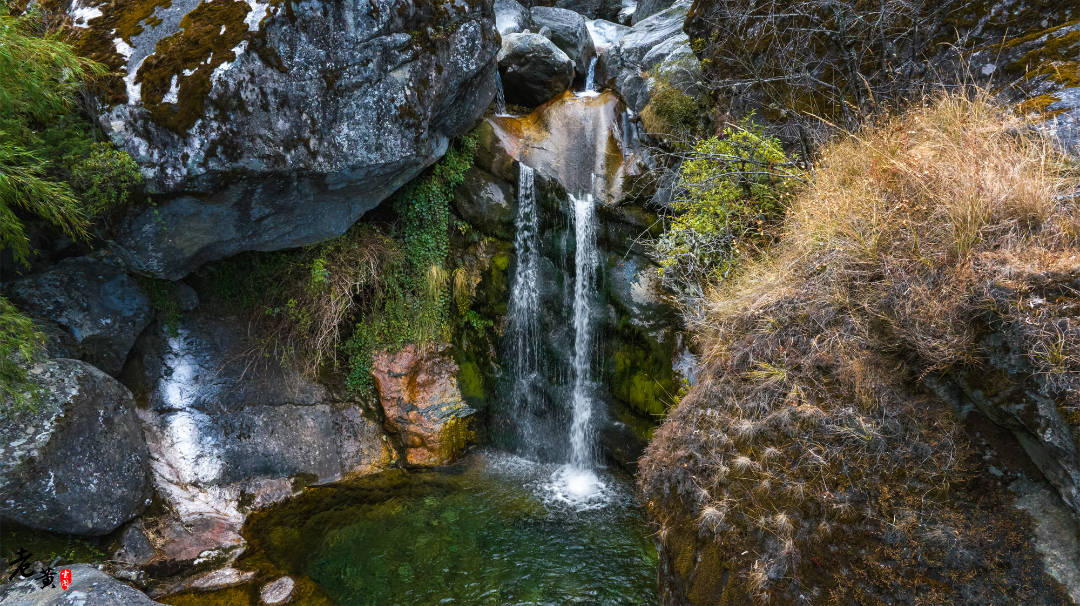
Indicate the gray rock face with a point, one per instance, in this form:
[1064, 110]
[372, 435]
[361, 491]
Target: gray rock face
[568, 32]
[218, 429]
[648, 8]
[656, 46]
[101, 309]
[290, 121]
[511, 17]
[586, 8]
[77, 464]
[487, 202]
[89, 587]
[533, 69]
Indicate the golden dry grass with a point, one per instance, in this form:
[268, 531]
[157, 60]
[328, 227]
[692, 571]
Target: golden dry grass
[813, 427]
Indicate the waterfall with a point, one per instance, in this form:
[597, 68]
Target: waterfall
[524, 309]
[590, 77]
[500, 95]
[585, 261]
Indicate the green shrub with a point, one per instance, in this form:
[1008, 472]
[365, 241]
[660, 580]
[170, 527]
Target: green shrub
[19, 341]
[731, 191]
[50, 167]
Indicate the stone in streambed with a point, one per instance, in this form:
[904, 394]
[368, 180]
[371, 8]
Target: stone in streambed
[99, 308]
[533, 69]
[422, 403]
[511, 17]
[278, 592]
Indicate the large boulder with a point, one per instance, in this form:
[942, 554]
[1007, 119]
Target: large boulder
[89, 587]
[227, 431]
[100, 309]
[511, 17]
[568, 31]
[272, 125]
[75, 462]
[422, 403]
[533, 69]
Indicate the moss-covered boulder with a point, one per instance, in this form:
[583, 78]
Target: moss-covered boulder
[276, 124]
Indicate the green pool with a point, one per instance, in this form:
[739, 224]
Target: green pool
[492, 530]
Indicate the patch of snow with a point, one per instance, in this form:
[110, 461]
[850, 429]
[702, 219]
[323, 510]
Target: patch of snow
[84, 14]
[123, 48]
[134, 89]
[174, 91]
[256, 14]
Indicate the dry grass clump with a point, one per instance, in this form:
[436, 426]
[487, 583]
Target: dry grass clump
[810, 456]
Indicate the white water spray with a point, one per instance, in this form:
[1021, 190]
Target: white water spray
[582, 455]
[524, 309]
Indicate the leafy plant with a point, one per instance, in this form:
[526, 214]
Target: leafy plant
[731, 192]
[19, 341]
[50, 167]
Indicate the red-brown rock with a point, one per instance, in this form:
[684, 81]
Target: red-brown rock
[419, 394]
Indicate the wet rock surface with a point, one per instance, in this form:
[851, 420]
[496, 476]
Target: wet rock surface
[76, 463]
[99, 309]
[89, 587]
[277, 128]
[277, 592]
[419, 394]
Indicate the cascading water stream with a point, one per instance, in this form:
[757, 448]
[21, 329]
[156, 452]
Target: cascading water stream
[590, 77]
[524, 309]
[585, 260]
[500, 95]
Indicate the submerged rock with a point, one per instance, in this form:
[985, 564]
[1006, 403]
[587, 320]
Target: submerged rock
[278, 125]
[533, 69]
[277, 592]
[419, 394]
[568, 31]
[100, 309]
[89, 587]
[76, 463]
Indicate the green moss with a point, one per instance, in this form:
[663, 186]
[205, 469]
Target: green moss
[206, 38]
[122, 19]
[471, 382]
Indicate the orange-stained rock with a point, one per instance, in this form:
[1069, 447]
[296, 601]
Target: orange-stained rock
[419, 394]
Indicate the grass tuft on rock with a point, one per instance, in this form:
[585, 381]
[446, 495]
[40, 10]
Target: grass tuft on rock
[811, 456]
